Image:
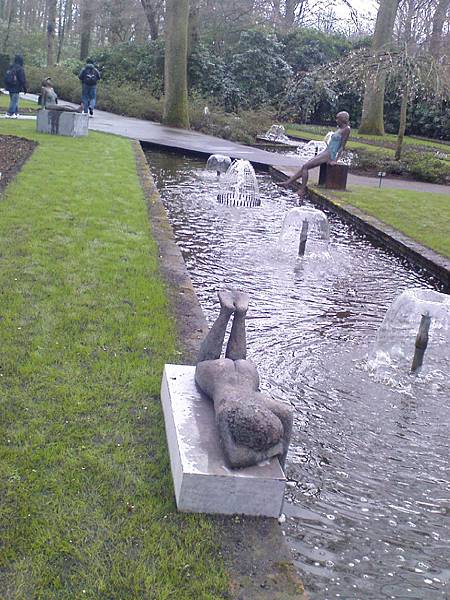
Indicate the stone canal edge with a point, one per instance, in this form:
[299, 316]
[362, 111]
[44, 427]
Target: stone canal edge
[254, 550]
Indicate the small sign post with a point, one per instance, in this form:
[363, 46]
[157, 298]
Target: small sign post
[381, 174]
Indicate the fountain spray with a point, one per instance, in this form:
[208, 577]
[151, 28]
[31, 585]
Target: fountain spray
[421, 342]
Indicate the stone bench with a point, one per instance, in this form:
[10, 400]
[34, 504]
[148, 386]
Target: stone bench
[59, 122]
[202, 481]
[333, 177]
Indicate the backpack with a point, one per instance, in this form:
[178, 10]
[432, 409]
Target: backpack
[90, 77]
[11, 77]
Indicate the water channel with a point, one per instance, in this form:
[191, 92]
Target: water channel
[367, 506]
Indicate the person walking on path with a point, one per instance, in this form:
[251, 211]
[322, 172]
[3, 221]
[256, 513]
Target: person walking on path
[89, 77]
[15, 82]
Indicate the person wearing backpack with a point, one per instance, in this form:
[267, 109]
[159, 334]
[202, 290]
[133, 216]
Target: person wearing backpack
[89, 77]
[15, 82]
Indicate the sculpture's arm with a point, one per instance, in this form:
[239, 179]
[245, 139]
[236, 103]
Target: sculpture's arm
[345, 137]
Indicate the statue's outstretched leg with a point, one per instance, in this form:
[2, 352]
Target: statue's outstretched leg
[211, 347]
[237, 344]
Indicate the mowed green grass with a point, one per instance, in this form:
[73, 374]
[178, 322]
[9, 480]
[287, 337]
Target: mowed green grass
[4, 103]
[86, 498]
[425, 217]
[316, 135]
[317, 132]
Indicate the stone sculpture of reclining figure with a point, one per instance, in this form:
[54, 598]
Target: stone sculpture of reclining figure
[252, 426]
[49, 99]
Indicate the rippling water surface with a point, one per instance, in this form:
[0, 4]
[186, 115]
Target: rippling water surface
[367, 505]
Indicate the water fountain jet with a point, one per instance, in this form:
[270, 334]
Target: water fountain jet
[239, 186]
[219, 163]
[306, 220]
[417, 321]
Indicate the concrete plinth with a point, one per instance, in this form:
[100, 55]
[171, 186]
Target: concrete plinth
[333, 177]
[58, 122]
[203, 483]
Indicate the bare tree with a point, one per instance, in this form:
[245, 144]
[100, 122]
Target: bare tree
[440, 14]
[51, 30]
[372, 121]
[65, 23]
[87, 14]
[175, 66]
[153, 10]
[10, 13]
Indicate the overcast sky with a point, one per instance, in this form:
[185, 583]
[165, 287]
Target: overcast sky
[362, 6]
[366, 9]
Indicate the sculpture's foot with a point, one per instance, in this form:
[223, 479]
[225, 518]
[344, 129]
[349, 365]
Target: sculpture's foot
[240, 302]
[233, 301]
[226, 300]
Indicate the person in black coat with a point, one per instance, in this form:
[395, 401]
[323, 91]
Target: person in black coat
[15, 82]
[89, 77]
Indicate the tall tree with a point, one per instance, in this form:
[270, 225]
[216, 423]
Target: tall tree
[372, 121]
[87, 15]
[65, 22]
[51, 28]
[10, 14]
[438, 25]
[176, 112]
[153, 10]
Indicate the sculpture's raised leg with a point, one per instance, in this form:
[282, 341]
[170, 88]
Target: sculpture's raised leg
[237, 343]
[211, 347]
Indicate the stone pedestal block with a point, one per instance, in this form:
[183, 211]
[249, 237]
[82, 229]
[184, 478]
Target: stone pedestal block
[62, 123]
[333, 177]
[203, 483]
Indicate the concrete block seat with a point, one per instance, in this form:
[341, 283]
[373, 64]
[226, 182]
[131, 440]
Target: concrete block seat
[203, 482]
[333, 177]
[59, 122]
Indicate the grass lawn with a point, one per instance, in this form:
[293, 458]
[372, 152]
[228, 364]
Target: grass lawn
[28, 104]
[423, 217]
[86, 497]
[308, 134]
[317, 132]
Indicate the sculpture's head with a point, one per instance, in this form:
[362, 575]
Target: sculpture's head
[47, 82]
[342, 118]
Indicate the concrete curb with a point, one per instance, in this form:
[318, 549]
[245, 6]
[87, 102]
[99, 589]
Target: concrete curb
[381, 234]
[255, 553]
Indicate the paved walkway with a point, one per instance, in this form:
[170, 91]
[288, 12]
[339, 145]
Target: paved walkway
[397, 184]
[205, 145]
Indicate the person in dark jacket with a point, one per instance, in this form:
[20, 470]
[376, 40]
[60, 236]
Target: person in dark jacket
[15, 82]
[89, 77]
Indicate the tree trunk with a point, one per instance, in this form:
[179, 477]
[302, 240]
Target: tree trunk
[372, 121]
[289, 14]
[63, 26]
[51, 27]
[152, 12]
[11, 13]
[175, 65]
[438, 26]
[87, 23]
[193, 26]
[402, 126]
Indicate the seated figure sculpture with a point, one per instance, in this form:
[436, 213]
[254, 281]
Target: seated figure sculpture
[49, 99]
[252, 426]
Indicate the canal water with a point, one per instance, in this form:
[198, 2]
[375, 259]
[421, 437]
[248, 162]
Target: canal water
[367, 503]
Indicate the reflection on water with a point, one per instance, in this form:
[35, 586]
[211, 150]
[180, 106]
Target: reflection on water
[367, 504]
